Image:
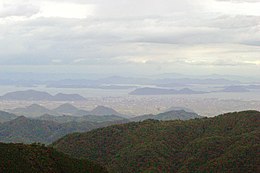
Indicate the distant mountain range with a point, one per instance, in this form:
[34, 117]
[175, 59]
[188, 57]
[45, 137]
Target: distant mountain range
[33, 110]
[235, 89]
[187, 91]
[226, 143]
[32, 95]
[89, 118]
[67, 112]
[36, 110]
[47, 128]
[240, 88]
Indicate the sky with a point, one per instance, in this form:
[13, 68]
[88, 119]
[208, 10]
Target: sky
[130, 36]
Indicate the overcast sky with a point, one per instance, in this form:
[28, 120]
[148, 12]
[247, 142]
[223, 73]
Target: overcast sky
[130, 36]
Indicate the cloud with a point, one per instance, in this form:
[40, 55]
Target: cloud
[23, 10]
[138, 32]
[65, 10]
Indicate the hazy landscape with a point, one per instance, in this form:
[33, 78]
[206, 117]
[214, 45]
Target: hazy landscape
[137, 86]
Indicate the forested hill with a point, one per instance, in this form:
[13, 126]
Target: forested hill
[226, 143]
[20, 158]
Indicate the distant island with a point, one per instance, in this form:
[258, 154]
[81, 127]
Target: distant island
[188, 91]
[162, 91]
[32, 95]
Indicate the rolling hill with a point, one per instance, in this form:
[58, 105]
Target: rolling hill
[5, 116]
[34, 158]
[170, 115]
[226, 143]
[26, 130]
[89, 118]
[36, 110]
[68, 109]
[102, 110]
[68, 97]
[174, 108]
[33, 110]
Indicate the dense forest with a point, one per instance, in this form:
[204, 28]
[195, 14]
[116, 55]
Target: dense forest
[49, 128]
[226, 143]
[35, 158]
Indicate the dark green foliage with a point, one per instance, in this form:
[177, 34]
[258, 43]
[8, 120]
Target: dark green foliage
[226, 143]
[25, 130]
[169, 115]
[35, 158]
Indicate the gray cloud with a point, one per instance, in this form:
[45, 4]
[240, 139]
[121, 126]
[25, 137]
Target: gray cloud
[130, 32]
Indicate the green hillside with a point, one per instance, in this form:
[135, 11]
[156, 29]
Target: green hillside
[20, 158]
[26, 130]
[226, 143]
[169, 115]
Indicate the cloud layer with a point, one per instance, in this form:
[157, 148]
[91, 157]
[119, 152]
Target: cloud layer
[150, 34]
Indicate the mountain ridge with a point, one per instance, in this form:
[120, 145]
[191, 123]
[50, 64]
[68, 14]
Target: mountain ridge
[6, 116]
[168, 115]
[225, 143]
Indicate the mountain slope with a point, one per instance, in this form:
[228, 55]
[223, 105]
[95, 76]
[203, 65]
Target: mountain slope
[226, 143]
[5, 116]
[36, 110]
[102, 110]
[174, 108]
[58, 119]
[34, 158]
[27, 130]
[102, 118]
[89, 118]
[68, 97]
[33, 110]
[170, 115]
[67, 109]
